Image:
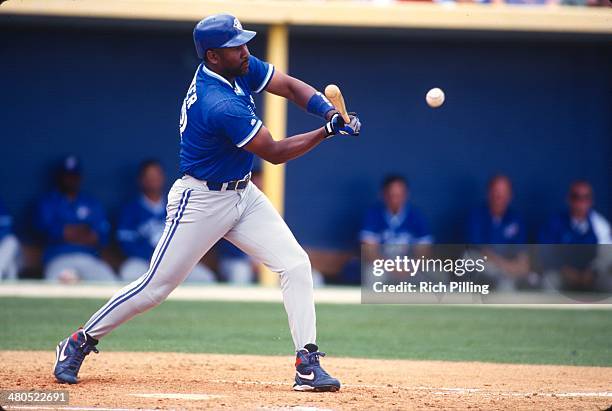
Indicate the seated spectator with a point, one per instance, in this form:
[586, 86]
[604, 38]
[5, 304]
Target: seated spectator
[394, 227]
[500, 233]
[142, 223]
[579, 224]
[9, 246]
[75, 228]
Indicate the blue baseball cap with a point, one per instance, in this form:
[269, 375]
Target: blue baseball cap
[219, 31]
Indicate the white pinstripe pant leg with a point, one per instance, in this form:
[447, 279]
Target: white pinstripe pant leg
[196, 220]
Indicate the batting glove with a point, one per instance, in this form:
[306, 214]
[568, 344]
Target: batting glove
[336, 125]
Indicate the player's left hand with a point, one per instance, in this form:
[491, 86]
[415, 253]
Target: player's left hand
[336, 125]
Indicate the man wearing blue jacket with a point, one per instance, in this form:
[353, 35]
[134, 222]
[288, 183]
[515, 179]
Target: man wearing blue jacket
[75, 228]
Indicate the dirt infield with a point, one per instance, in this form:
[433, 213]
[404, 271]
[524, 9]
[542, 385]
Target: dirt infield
[148, 380]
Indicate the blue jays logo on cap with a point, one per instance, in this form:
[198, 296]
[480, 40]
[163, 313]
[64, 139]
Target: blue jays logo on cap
[219, 31]
[237, 24]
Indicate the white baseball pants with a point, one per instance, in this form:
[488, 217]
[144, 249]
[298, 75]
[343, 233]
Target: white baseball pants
[197, 218]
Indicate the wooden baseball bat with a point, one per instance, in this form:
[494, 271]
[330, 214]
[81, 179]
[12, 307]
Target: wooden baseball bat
[333, 93]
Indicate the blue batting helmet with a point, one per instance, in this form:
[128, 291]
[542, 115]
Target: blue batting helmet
[219, 31]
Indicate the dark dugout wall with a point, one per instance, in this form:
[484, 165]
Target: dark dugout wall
[538, 110]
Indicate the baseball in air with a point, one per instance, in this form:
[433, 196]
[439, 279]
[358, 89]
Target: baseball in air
[435, 97]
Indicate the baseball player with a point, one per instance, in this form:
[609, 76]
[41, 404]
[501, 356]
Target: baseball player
[220, 134]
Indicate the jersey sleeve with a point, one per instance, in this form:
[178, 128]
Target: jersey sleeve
[370, 229]
[521, 236]
[47, 221]
[420, 229]
[127, 231]
[260, 73]
[234, 119]
[601, 227]
[99, 223]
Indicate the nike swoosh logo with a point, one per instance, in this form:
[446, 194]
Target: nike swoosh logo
[56, 356]
[62, 355]
[307, 376]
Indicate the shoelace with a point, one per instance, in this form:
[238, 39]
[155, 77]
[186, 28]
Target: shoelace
[313, 359]
[81, 351]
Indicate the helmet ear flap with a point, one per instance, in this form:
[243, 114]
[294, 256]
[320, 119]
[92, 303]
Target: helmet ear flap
[201, 54]
[199, 46]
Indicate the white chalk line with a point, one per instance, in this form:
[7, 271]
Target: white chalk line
[38, 407]
[179, 396]
[444, 390]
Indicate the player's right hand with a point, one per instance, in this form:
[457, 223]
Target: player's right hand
[336, 125]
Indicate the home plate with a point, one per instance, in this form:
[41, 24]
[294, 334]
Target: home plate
[179, 396]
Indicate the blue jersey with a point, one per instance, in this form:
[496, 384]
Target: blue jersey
[506, 236]
[218, 119]
[482, 228]
[406, 227]
[561, 229]
[140, 227]
[6, 222]
[55, 211]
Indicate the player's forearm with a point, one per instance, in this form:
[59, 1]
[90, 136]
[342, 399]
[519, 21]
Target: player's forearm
[300, 93]
[295, 146]
[291, 88]
[303, 96]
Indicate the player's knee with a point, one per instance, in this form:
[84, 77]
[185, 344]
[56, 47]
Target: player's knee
[299, 261]
[154, 297]
[301, 272]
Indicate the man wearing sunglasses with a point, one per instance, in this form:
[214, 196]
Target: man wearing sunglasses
[582, 226]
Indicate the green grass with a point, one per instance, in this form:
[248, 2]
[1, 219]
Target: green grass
[512, 335]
